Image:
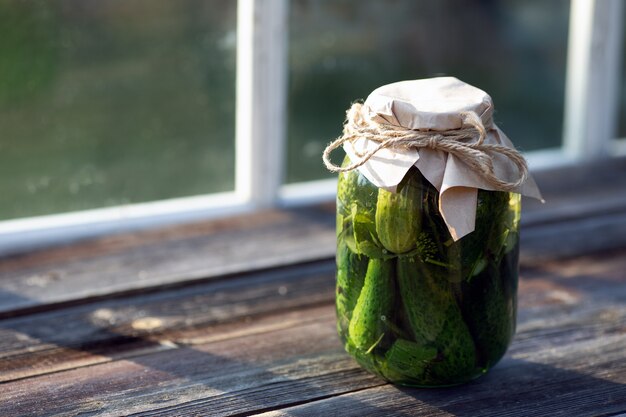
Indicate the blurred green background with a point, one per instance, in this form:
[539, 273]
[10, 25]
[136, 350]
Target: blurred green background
[109, 102]
[341, 50]
[106, 102]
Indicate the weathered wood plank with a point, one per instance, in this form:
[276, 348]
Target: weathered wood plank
[569, 349]
[561, 359]
[40, 359]
[571, 237]
[153, 259]
[513, 388]
[219, 378]
[567, 358]
[102, 331]
[110, 329]
[305, 362]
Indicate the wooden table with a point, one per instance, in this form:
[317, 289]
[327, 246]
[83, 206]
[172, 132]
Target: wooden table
[235, 317]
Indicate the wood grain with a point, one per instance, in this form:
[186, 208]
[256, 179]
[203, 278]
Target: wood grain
[104, 270]
[99, 332]
[243, 373]
[247, 350]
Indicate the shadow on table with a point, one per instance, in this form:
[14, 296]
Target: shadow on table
[512, 388]
[519, 387]
[169, 378]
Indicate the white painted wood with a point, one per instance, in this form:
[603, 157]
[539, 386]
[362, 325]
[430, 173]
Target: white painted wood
[36, 232]
[261, 99]
[546, 159]
[310, 192]
[592, 79]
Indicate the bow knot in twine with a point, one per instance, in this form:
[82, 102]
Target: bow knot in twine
[466, 143]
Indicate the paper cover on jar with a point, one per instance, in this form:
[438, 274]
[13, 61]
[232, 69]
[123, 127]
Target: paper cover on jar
[430, 106]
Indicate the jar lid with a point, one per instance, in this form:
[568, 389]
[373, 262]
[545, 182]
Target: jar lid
[430, 104]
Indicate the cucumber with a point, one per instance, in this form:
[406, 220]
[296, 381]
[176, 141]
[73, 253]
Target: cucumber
[354, 189]
[457, 352]
[358, 231]
[346, 187]
[408, 359]
[398, 218]
[489, 235]
[505, 236]
[374, 305]
[494, 234]
[489, 309]
[356, 207]
[425, 296]
[351, 270]
[369, 360]
[364, 234]
[435, 318]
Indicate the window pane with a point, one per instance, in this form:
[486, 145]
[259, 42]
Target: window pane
[106, 102]
[341, 50]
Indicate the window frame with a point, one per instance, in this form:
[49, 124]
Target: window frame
[590, 120]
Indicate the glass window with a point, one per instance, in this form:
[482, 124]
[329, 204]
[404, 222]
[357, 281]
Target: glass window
[106, 102]
[341, 50]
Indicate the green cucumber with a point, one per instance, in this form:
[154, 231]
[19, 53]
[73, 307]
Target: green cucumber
[489, 234]
[435, 318]
[457, 352]
[425, 295]
[489, 309]
[346, 189]
[356, 207]
[351, 270]
[408, 359]
[368, 360]
[470, 255]
[354, 189]
[398, 218]
[505, 236]
[374, 306]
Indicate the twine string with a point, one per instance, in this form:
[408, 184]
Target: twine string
[466, 143]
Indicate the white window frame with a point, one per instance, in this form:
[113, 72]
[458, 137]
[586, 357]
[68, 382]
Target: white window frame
[593, 78]
[592, 83]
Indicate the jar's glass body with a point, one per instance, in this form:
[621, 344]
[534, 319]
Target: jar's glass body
[413, 306]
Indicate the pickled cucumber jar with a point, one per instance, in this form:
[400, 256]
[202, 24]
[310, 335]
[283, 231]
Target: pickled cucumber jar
[428, 213]
[414, 306]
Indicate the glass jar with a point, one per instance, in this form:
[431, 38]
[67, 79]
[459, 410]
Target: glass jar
[413, 306]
